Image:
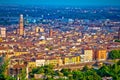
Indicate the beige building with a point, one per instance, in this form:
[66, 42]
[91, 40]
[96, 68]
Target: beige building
[39, 29]
[3, 32]
[88, 55]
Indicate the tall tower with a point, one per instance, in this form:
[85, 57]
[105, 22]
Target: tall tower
[119, 34]
[21, 26]
[50, 32]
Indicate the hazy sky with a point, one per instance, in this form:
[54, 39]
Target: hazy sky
[62, 2]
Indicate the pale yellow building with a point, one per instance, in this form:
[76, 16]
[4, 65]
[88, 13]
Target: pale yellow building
[42, 42]
[54, 61]
[19, 53]
[88, 55]
[71, 60]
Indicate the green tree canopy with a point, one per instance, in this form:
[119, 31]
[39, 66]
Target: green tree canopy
[114, 54]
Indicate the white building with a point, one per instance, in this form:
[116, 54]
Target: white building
[3, 32]
[40, 62]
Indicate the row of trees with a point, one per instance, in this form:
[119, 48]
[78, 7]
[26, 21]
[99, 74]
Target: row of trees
[117, 40]
[3, 72]
[114, 54]
[5, 76]
[67, 74]
[84, 74]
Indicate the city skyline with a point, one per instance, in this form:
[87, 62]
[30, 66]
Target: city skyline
[62, 2]
[59, 40]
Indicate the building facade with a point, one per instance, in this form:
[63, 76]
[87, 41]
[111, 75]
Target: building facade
[88, 55]
[3, 32]
[101, 55]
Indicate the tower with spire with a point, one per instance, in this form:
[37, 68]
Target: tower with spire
[119, 33]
